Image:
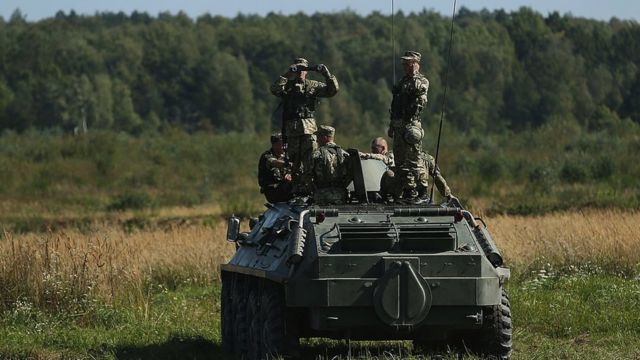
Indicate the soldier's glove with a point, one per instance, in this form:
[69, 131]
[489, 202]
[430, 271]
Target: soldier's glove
[390, 132]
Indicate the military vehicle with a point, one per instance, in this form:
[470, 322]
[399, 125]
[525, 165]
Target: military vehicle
[365, 270]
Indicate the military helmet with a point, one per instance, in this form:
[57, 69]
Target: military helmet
[411, 56]
[276, 137]
[413, 134]
[326, 130]
[299, 61]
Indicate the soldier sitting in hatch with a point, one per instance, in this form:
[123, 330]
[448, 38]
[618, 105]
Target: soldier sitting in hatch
[329, 169]
[379, 151]
[274, 174]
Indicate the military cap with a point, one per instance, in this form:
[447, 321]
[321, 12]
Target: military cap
[276, 137]
[326, 130]
[301, 62]
[411, 56]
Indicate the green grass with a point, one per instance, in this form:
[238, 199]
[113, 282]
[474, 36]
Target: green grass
[571, 316]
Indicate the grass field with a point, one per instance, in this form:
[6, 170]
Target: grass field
[115, 291]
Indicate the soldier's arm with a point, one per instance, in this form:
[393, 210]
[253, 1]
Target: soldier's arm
[420, 90]
[277, 88]
[330, 88]
[366, 156]
[438, 179]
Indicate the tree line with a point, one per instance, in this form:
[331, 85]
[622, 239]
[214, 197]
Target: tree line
[509, 71]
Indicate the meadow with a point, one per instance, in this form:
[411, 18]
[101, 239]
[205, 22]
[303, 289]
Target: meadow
[110, 244]
[112, 292]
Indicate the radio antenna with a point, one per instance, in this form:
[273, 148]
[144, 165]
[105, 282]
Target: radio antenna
[393, 43]
[444, 100]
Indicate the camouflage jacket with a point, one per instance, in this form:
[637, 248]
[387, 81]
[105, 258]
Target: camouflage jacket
[409, 98]
[299, 101]
[329, 167]
[270, 175]
[387, 158]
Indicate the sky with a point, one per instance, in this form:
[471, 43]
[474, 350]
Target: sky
[39, 9]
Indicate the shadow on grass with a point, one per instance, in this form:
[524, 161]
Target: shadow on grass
[194, 348]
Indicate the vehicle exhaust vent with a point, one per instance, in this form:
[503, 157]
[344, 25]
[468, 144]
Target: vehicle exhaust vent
[367, 237]
[427, 238]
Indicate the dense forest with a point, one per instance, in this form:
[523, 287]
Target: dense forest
[133, 73]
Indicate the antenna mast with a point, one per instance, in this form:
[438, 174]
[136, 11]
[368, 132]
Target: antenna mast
[393, 44]
[444, 100]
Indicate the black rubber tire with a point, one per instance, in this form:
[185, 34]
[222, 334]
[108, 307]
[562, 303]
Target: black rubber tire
[256, 316]
[241, 322]
[227, 314]
[495, 339]
[275, 340]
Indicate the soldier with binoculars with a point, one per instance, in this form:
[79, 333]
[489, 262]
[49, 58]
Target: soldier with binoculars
[299, 101]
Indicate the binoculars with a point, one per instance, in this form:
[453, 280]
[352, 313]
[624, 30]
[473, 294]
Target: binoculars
[298, 68]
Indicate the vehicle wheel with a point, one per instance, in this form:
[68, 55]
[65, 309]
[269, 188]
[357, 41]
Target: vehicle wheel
[495, 339]
[274, 338]
[255, 350]
[241, 322]
[227, 313]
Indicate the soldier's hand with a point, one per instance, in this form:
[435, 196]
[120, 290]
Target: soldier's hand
[323, 69]
[288, 177]
[390, 132]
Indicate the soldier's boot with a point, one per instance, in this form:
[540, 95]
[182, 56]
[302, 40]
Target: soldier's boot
[423, 195]
[410, 196]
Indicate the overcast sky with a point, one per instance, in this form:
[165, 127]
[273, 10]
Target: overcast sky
[38, 9]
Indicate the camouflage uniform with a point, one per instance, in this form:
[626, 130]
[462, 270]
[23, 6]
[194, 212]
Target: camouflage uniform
[392, 184]
[271, 177]
[427, 169]
[299, 100]
[387, 158]
[329, 171]
[409, 98]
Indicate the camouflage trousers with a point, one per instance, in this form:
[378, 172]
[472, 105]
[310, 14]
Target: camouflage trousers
[278, 192]
[330, 195]
[395, 183]
[299, 149]
[407, 159]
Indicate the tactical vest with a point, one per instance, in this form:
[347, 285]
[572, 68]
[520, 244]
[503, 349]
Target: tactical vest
[403, 105]
[330, 169]
[298, 104]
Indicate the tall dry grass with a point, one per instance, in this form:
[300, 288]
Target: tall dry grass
[58, 270]
[605, 238]
[70, 268]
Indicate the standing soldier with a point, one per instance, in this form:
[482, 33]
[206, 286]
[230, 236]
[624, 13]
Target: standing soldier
[299, 100]
[329, 169]
[274, 176]
[409, 98]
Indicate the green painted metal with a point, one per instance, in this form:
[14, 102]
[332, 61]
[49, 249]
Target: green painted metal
[394, 270]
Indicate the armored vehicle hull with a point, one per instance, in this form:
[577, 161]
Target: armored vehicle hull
[366, 271]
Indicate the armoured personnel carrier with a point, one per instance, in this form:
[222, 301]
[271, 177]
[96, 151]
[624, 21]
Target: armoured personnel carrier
[364, 271]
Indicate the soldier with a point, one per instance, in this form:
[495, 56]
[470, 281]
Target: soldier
[428, 169]
[409, 98]
[274, 174]
[329, 170]
[379, 151]
[299, 99]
